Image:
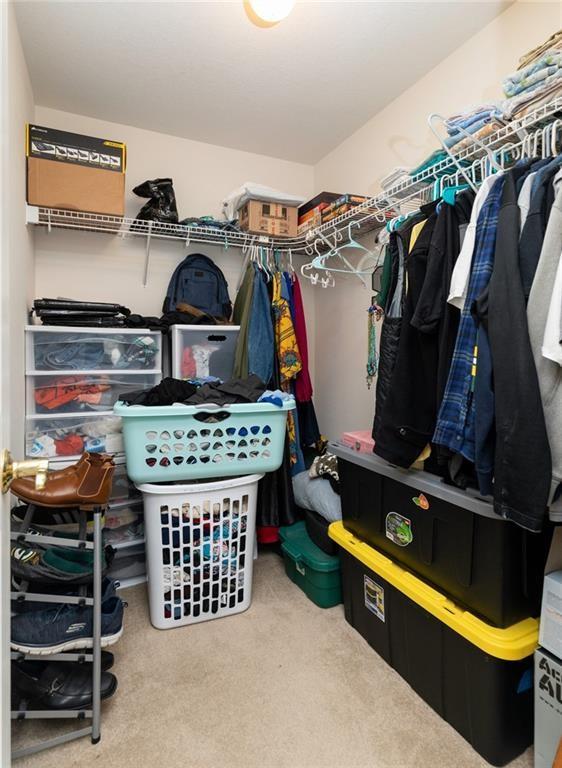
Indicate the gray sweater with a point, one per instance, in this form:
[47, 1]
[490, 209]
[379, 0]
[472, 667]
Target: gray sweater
[549, 373]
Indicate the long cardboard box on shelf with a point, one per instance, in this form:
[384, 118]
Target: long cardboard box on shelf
[343, 204]
[73, 172]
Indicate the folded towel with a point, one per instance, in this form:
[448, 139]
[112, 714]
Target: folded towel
[530, 76]
[554, 42]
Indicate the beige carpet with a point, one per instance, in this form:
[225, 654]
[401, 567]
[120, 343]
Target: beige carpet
[284, 685]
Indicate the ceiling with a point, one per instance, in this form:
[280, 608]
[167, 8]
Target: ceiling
[202, 70]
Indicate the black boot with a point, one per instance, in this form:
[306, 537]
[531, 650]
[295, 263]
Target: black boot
[162, 203]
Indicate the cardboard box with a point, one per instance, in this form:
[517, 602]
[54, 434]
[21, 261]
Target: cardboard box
[318, 203]
[268, 219]
[75, 172]
[550, 632]
[310, 222]
[548, 707]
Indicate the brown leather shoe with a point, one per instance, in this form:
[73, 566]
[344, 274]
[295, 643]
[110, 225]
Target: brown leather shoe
[92, 458]
[26, 486]
[87, 485]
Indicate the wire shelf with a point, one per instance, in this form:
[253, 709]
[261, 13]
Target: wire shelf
[365, 217]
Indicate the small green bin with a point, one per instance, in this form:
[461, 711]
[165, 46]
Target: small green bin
[315, 572]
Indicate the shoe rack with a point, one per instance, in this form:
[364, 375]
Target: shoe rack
[23, 711]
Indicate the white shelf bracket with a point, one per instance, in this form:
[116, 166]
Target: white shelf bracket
[147, 255]
[31, 214]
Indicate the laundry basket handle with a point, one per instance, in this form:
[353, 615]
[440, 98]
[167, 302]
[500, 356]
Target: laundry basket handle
[212, 407]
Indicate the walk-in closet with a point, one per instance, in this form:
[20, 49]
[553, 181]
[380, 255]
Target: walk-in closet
[281, 383]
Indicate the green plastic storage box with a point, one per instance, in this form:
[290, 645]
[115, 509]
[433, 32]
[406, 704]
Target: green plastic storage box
[316, 573]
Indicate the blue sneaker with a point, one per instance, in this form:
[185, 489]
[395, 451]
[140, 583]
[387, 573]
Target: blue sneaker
[66, 628]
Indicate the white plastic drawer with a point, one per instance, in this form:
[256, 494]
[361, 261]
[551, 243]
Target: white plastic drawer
[199, 351]
[81, 393]
[92, 349]
[64, 436]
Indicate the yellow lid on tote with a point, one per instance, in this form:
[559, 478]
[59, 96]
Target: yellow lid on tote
[510, 644]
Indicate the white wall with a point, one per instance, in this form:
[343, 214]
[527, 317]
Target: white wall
[399, 135]
[20, 262]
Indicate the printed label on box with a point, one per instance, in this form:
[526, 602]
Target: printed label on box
[374, 597]
[399, 529]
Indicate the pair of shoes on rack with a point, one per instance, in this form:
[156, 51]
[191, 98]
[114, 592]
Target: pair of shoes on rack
[55, 565]
[59, 684]
[85, 484]
[68, 627]
[54, 521]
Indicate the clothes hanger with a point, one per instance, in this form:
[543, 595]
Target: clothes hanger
[478, 142]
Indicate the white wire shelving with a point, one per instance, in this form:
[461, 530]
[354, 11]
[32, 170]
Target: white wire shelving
[366, 217]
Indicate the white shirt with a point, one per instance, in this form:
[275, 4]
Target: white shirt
[461, 272]
[551, 346]
[524, 200]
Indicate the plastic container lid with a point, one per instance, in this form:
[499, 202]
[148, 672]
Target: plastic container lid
[296, 542]
[510, 644]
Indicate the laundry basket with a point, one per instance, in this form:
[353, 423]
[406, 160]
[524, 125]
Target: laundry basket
[199, 549]
[187, 442]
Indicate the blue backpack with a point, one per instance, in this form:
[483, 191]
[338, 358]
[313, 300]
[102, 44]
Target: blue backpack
[199, 282]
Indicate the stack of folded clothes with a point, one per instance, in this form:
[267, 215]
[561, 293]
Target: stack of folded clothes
[48, 627]
[537, 80]
[479, 122]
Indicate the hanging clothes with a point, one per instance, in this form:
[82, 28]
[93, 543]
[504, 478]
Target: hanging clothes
[546, 291]
[408, 418]
[522, 470]
[285, 340]
[241, 317]
[455, 422]
[398, 246]
[261, 346]
[308, 423]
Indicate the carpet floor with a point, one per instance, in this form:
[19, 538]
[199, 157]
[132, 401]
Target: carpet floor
[283, 685]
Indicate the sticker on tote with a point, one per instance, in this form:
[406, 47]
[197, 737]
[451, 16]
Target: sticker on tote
[398, 529]
[374, 598]
[421, 501]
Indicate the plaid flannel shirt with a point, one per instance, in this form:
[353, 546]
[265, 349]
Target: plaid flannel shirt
[455, 422]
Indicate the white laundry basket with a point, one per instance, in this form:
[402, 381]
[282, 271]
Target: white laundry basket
[199, 549]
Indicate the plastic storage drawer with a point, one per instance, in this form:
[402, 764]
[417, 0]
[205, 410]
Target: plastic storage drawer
[452, 538]
[63, 436]
[92, 349]
[477, 677]
[315, 572]
[68, 393]
[203, 350]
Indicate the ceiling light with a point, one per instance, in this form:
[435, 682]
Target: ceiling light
[272, 11]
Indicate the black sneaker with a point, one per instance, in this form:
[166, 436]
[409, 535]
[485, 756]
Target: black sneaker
[57, 684]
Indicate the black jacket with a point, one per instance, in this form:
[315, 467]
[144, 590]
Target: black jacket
[408, 417]
[522, 453]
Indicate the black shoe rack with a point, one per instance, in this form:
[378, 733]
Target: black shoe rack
[25, 536]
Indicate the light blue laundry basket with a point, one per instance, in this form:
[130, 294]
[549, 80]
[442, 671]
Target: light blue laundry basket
[167, 443]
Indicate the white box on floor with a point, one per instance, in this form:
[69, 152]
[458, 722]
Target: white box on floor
[548, 707]
[550, 633]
